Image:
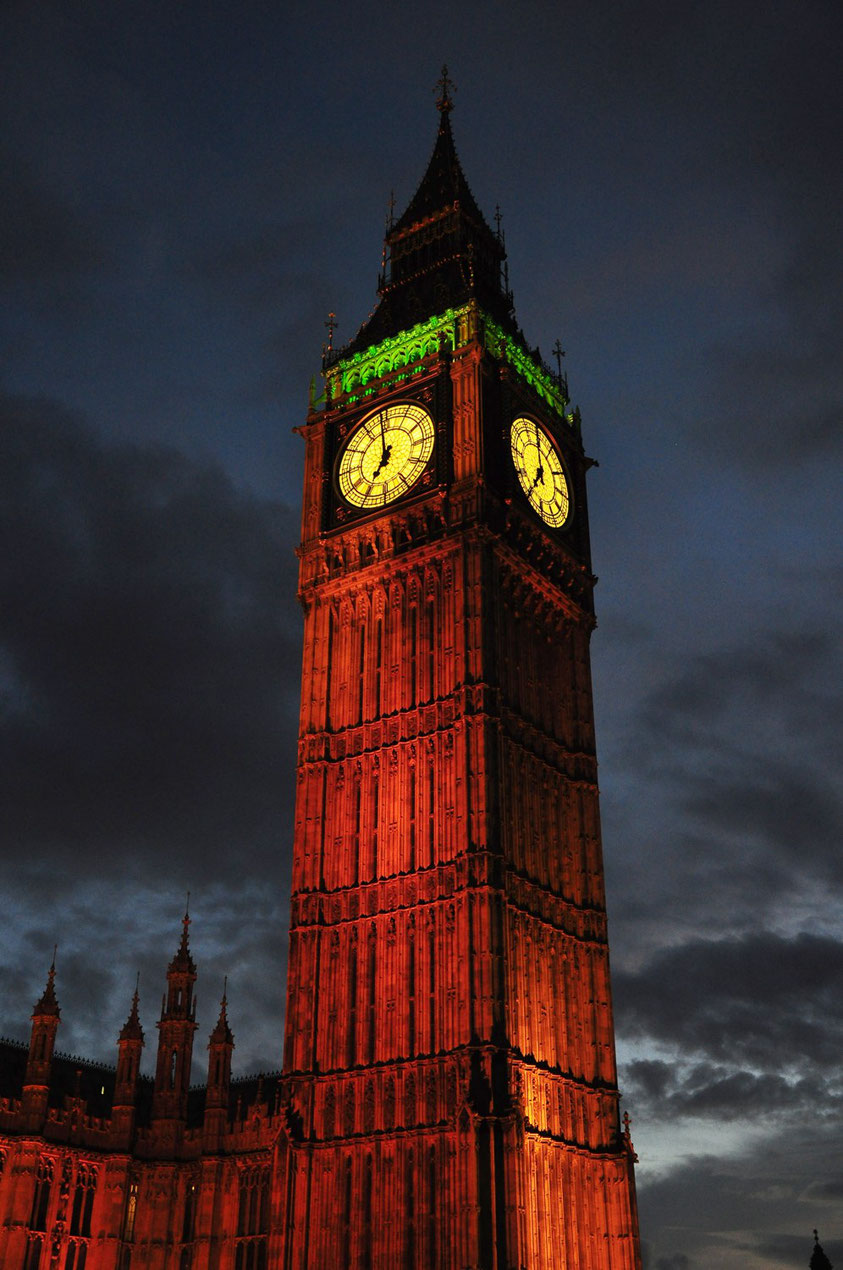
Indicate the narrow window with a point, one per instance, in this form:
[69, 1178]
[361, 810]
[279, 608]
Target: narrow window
[189, 1208]
[352, 1008]
[130, 1213]
[414, 638]
[329, 668]
[356, 844]
[361, 676]
[412, 859]
[376, 809]
[378, 665]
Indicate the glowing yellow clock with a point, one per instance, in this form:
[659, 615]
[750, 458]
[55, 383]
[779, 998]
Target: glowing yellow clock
[386, 455]
[540, 471]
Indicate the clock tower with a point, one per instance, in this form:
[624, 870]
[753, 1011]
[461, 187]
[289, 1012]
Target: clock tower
[449, 1065]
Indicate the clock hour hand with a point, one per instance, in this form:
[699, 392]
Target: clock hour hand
[387, 451]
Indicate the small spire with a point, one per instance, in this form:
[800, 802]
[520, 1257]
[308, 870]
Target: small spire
[131, 1029]
[819, 1261]
[47, 1004]
[183, 960]
[222, 1033]
[445, 102]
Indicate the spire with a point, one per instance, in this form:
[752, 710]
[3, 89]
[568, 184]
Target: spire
[132, 1030]
[222, 1034]
[440, 253]
[183, 960]
[47, 1004]
[819, 1261]
[443, 185]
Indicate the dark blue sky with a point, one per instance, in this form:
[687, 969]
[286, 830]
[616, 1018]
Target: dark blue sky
[187, 191]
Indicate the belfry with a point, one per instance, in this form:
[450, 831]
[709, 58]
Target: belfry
[449, 1066]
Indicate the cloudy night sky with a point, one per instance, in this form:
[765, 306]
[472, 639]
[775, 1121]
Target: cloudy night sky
[188, 190]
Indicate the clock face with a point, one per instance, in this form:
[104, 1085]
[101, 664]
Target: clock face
[386, 455]
[540, 471]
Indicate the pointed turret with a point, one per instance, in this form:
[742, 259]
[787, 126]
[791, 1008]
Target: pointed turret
[220, 1046]
[819, 1261]
[129, 1049]
[175, 1034]
[441, 253]
[42, 1040]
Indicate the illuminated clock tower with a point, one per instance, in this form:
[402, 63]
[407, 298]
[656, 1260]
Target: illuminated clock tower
[451, 1095]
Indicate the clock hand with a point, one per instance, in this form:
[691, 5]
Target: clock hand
[385, 457]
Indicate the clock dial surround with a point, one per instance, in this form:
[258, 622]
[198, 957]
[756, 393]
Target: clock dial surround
[385, 456]
[541, 472]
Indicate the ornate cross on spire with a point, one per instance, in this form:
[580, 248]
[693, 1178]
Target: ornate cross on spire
[332, 325]
[445, 102]
[559, 352]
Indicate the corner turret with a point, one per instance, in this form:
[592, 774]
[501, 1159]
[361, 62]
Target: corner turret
[45, 1021]
[129, 1049]
[220, 1046]
[175, 1035]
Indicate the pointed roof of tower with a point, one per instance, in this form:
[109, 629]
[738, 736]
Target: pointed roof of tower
[222, 1033]
[819, 1261]
[131, 1029]
[47, 1003]
[443, 184]
[441, 252]
[183, 962]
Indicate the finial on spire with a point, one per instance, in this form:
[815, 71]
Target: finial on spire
[185, 923]
[224, 990]
[559, 352]
[331, 325]
[445, 102]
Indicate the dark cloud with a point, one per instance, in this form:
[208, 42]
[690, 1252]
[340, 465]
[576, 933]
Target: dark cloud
[149, 637]
[732, 1211]
[750, 999]
[149, 664]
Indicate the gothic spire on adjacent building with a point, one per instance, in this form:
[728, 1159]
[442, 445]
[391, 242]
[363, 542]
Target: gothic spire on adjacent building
[819, 1261]
[131, 1029]
[175, 1033]
[42, 1039]
[183, 962]
[47, 1003]
[222, 1034]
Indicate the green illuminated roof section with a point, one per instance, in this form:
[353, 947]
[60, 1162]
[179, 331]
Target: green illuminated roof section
[394, 352]
[352, 374]
[503, 346]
